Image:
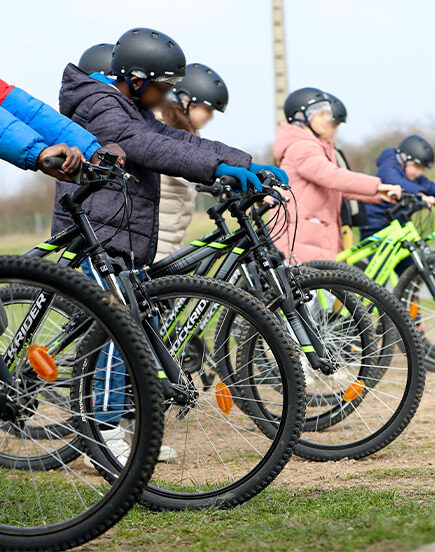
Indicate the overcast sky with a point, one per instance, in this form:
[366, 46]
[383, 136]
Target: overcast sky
[376, 55]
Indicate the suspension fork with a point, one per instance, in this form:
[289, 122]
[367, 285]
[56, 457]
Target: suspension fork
[298, 318]
[422, 267]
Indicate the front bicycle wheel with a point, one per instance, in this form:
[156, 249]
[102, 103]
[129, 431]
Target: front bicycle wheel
[375, 401]
[220, 457]
[42, 508]
[416, 298]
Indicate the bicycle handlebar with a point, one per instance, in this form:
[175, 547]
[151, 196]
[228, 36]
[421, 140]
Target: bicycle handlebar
[50, 163]
[228, 183]
[414, 202]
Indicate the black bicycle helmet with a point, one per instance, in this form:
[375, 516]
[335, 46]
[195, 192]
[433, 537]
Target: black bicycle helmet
[148, 54]
[338, 109]
[97, 59]
[203, 85]
[300, 100]
[417, 149]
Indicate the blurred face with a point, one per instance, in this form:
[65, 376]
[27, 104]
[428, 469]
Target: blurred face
[200, 115]
[323, 125]
[413, 170]
[153, 94]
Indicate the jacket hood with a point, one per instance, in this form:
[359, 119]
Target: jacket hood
[388, 156]
[289, 134]
[77, 86]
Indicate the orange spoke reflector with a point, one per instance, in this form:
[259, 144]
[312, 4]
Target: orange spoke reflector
[353, 391]
[42, 362]
[413, 310]
[224, 398]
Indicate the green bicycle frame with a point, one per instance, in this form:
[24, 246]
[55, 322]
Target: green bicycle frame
[387, 249]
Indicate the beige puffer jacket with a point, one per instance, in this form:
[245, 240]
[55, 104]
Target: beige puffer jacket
[177, 203]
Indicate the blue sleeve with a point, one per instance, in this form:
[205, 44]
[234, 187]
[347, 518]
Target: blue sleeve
[428, 185]
[19, 144]
[48, 123]
[392, 175]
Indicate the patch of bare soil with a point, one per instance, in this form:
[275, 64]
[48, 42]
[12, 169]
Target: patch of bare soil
[408, 464]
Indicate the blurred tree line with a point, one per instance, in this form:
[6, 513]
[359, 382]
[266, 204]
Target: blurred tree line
[28, 209]
[362, 156]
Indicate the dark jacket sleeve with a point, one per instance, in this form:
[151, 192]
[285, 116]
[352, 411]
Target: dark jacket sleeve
[393, 175]
[144, 143]
[232, 156]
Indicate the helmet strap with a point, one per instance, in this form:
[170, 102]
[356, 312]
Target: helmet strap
[306, 122]
[402, 161]
[136, 93]
[180, 103]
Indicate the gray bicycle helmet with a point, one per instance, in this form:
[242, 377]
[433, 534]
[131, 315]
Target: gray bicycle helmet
[203, 85]
[97, 59]
[148, 54]
[417, 149]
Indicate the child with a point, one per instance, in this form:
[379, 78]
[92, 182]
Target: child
[194, 100]
[404, 166]
[305, 149]
[147, 63]
[352, 212]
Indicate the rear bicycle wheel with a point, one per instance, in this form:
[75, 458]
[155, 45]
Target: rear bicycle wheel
[221, 458]
[46, 509]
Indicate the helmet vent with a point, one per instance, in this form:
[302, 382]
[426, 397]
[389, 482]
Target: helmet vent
[135, 31]
[209, 72]
[154, 34]
[170, 44]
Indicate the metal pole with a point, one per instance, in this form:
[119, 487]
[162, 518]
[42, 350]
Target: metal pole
[279, 60]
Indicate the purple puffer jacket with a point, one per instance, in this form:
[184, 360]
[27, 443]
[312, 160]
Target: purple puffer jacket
[151, 147]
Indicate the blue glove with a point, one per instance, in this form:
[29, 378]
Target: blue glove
[279, 173]
[244, 175]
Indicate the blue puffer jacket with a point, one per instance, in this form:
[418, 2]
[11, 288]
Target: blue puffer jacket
[27, 126]
[391, 172]
[151, 148]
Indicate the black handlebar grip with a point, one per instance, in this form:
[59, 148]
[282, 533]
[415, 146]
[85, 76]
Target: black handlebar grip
[232, 181]
[394, 197]
[53, 163]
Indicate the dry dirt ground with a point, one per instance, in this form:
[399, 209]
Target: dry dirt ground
[407, 464]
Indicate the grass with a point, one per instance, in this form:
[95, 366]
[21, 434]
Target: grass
[281, 520]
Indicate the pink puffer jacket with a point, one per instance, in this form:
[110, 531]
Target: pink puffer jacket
[319, 186]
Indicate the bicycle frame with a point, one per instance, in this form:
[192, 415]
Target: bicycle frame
[389, 247]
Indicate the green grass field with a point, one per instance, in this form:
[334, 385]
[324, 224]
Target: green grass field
[283, 520]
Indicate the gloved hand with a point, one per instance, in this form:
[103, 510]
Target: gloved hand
[244, 175]
[279, 173]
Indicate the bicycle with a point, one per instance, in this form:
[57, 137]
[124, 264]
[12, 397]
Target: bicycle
[342, 303]
[370, 356]
[388, 247]
[229, 460]
[48, 502]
